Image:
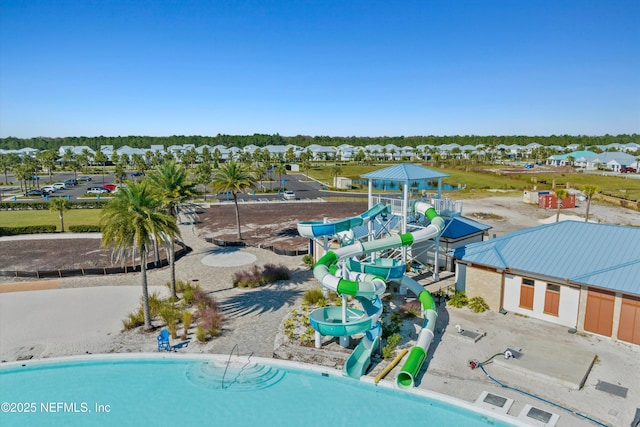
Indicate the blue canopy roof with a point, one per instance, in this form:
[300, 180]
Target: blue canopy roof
[404, 172]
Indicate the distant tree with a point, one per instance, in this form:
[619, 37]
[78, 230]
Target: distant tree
[279, 171]
[203, 176]
[589, 191]
[60, 205]
[335, 172]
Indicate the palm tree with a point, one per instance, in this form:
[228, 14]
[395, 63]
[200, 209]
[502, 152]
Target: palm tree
[561, 194]
[203, 176]
[335, 171]
[171, 182]
[234, 177]
[589, 191]
[280, 170]
[132, 221]
[60, 204]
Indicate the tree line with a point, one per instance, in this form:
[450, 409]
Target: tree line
[262, 140]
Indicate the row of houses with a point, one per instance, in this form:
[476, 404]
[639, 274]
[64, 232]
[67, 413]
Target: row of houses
[609, 160]
[348, 152]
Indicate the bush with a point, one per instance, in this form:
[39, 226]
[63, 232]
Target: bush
[84, 228]
[133, 320]
[27, 229]
[201, 335]
[312, 296]
[308, 260]
[389, 348]
[458, 300]
[478, 305]
[187, 318]
[258, 277]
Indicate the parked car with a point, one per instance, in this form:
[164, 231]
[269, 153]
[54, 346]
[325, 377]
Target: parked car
[84, 178]
[71, 182]
[139, 173]
[36, 192]
[628, 169]
[97, 190]
[110, 187]
[289, 195]
[60, 186]
[49, 189]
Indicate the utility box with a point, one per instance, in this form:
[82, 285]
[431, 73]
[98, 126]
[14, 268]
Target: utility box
[550, 201]
[342, 182]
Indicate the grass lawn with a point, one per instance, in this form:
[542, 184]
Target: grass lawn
[42, 217]
[476, 183]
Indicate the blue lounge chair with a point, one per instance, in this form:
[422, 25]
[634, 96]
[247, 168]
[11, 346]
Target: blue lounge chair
[163, 341]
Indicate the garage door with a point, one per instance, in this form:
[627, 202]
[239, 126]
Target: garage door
[629, 329]
[599, 312]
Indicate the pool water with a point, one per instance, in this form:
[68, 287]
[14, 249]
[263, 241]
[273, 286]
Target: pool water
[205, 391]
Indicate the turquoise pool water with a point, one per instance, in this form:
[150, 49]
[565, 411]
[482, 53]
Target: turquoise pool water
[187, 391]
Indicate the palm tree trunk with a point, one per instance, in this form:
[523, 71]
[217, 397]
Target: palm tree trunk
[235, 200]
[172, 262]
[586, 216]
[145, 290]
[61, 221]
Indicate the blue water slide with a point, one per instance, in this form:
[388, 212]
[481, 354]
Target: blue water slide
[313, 229]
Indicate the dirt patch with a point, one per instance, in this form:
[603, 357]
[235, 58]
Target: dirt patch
[271, 224]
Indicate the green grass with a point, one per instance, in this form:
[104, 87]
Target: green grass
[71, 217]
[477, 183]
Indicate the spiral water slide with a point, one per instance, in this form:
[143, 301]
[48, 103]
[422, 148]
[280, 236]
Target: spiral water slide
[366, 287]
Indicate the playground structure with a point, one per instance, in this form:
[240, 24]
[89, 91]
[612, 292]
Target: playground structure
[364, 253]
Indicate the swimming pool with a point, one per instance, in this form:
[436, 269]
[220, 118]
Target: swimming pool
[203, 390]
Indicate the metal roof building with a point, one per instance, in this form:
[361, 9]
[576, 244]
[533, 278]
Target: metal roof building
[579, 274]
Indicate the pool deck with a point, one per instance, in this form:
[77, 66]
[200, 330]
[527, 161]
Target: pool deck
[552, 366]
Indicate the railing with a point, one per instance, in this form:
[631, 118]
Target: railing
[235, 347]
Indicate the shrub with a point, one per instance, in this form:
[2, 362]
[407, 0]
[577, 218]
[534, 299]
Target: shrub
[478, 305]
[155, 304]
[201, 335]
[390, 346]
[84, 228]
[27, 229]
[133, 320]
[411, 309]
[312, 296]
[308, 260]
[458, 300]
[187, 318]
[391, 325]
[170, 315]
[258, 277]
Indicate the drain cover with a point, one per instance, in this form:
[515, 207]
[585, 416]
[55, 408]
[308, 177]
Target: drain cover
[539, 415]
[616, 390]
[494, 400]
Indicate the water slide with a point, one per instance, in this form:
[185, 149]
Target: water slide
[418, 353]
[313, 229]
[366, 287]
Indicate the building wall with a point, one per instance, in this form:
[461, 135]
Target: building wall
[568, 308]
[486, 284]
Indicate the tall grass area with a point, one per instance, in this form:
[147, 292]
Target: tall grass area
[42, 217]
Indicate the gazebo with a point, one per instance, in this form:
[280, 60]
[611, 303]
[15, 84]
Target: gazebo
[406, 174]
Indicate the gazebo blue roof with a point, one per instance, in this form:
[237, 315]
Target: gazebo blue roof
[404, 172]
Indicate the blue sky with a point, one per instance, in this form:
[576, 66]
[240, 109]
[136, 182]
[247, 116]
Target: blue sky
[338, 68]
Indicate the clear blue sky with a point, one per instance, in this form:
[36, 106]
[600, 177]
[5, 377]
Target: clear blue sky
[324, 67]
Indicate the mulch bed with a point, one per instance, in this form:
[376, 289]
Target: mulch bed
[268, 224]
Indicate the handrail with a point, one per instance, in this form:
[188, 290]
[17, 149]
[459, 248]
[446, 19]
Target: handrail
[235, 347]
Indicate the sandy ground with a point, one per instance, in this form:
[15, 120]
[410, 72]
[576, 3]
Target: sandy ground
[83, 315]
